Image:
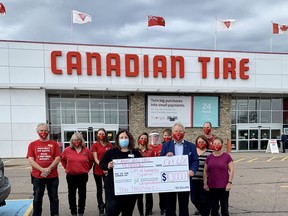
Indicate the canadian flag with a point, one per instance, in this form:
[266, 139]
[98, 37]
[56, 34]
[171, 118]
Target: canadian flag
[80, 17]
[279, 29]
[224, 25]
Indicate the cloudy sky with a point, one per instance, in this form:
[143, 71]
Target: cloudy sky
[189, 23]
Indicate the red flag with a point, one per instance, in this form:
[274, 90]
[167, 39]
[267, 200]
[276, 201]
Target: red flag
[155, 20]
[279, 29]
[2, 9]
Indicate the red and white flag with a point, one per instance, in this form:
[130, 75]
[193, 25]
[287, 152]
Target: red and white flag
[80, 17]
[279, 29]
[224, 25]
[156, 20]
[2, 9]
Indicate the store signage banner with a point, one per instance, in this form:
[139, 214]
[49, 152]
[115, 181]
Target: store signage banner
[205, 109]
[164, 111]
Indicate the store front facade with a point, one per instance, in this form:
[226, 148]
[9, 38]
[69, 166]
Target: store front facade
[76, 87]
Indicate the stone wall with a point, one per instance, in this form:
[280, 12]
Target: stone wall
[137, 118]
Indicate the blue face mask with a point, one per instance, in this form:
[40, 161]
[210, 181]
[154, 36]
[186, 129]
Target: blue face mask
[124, 143]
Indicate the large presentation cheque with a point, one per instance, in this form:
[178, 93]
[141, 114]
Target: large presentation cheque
[151, 175]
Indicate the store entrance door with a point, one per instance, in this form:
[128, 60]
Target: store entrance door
[256, 138]
[89, 133]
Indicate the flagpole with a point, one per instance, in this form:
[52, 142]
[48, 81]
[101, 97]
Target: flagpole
[147, 29]
[72, 39]
[271, 37]
[215, 37]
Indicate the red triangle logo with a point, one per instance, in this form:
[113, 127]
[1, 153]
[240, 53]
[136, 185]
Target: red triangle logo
[227, 24]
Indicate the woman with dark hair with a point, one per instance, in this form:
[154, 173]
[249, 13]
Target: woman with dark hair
[98, 149]
[124, 148]
[143, 149]
[199, 196]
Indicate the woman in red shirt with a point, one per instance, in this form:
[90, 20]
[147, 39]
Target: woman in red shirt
[143, 149]
[77, 161]
[98, 149]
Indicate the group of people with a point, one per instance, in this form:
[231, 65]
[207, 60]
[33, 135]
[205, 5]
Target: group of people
[210, 170]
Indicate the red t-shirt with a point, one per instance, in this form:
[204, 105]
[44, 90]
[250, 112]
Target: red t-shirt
[76, 163]
[100, 150]
[44, 154]
[156, 150]
[146, 153]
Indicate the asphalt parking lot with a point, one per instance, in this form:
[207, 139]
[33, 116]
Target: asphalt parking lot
[260, 187]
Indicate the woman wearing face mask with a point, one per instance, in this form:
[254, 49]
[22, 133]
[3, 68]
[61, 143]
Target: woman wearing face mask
[98, 149]
[199, 196]
[124, 148]
[218, 176]
[143, 149]
[77, 160]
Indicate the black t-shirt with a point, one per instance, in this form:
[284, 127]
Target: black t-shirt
[110, 155]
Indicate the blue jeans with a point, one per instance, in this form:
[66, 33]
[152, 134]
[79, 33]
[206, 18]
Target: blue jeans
[38, 192]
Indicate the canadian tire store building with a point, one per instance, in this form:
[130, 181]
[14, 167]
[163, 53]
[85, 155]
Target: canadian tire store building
[79, 87]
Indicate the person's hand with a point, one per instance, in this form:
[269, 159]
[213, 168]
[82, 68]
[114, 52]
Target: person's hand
[45, 172]
[169, 154]
[191, 173]
[105, 172]
[110, 165]
[205, 187]
[228, 186]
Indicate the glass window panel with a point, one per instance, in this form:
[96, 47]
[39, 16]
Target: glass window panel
[110, 117]
[263, 144]
[123, 117]
[234, 144]
[265, 134]
[265, 116]
[110, 105]
[253, 145]
[233, 132]
[82, 116]
[123, 104]
[97, 116]
[55, 116]
[265, 104]
[253, 134]
[285, 117]
[242, 145]
[68, 117]
[243, 117]
[253, 116]
[68, 103]
[242, 134]
[82, 103]
[233, 117]
[97, 104]
[276, 117]
[54, 103]
[275, 134]
[276, 103]
[233, 104]
[242, 104]
[253, 104]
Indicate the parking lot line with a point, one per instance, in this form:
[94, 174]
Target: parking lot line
[285, 158]
[241, 159]
[270, 159]
[252, 160]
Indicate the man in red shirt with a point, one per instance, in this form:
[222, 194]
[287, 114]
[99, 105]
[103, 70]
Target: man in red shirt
[44, 156]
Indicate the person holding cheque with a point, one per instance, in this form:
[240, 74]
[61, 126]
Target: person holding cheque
[179, 146]
[124, 148]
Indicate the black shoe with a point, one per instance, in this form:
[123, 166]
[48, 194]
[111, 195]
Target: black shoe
[162, 212]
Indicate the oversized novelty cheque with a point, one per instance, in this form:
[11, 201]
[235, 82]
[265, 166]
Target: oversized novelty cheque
[151, 175]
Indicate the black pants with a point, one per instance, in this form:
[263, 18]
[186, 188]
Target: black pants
[200, 197]
[77, 182]
[219, 195]
[121, 204]
[162, 201]
[148, 204]
[99, 179]
[183, 202]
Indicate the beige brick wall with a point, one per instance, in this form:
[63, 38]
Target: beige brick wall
[137, 118]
